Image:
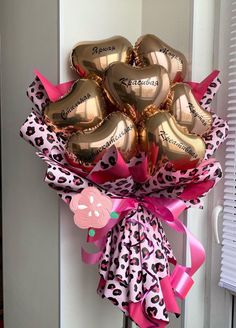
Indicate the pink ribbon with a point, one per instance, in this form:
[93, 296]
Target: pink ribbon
[111, 174]
[54, 92]
[199, 89]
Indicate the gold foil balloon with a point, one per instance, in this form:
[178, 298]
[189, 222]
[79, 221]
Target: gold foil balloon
[163, 139]
[188, 111]
[82, 108]
[87, 148]
[135, 88]
[151, 50]
[96, 56]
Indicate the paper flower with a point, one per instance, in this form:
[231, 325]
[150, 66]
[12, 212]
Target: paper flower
[91, 208]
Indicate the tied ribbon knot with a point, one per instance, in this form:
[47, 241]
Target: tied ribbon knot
[167, 210]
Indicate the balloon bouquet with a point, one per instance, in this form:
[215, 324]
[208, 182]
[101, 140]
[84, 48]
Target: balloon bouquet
[128, 147]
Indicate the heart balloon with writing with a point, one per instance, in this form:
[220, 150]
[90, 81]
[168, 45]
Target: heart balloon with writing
[82, 108]
[188, 112]
[164, 140]
[85, 149]
[93, 57]
[136, 90]
[150, 50]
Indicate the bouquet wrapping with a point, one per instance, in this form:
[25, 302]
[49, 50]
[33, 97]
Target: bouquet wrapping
[132, 205]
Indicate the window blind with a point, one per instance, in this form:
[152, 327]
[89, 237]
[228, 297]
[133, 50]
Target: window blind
[228, 260]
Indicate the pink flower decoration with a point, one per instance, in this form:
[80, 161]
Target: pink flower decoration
[91, 208]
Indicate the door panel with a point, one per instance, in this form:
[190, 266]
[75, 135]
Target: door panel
[30, 209]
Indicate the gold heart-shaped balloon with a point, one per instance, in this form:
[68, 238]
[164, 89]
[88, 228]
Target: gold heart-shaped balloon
[82, 108]
[136, 88]
[163, 139]
[151, 50]
[87, 148]
[188, 112]
[96, 56]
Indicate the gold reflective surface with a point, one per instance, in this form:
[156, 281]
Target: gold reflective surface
[163, 139]
[188, 111]
[82, 108]
[87, 148]
[151, 50]
[96, 56]
[136, 87]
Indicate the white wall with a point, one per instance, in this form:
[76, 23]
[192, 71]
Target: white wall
[88, 20]
[29, 38]
[171, 21]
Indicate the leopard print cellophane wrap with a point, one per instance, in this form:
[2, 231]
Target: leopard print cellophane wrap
[137, 253]
[135, 259]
